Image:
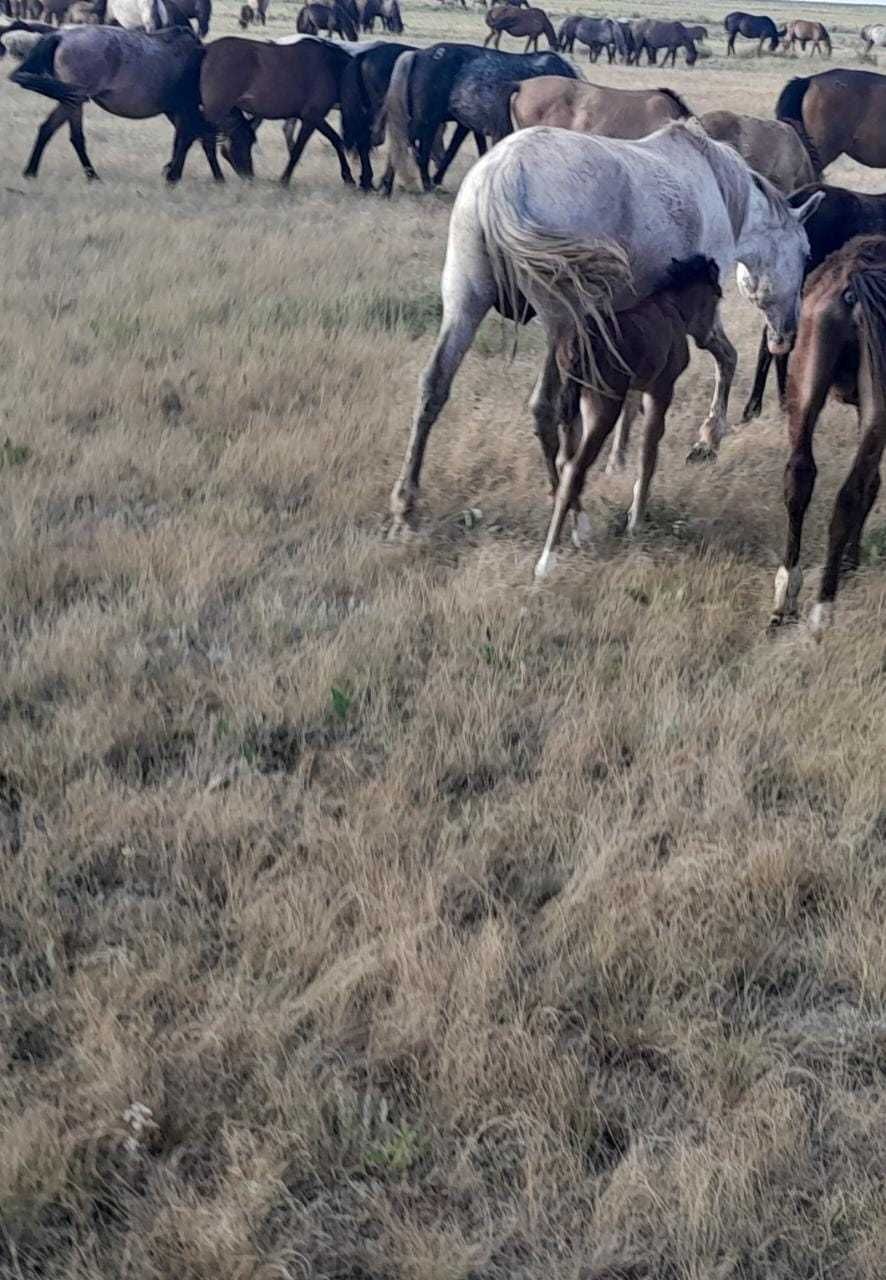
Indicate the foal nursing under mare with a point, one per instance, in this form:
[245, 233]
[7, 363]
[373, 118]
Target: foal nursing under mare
[541, 211]
[841, 350]
[646, 353]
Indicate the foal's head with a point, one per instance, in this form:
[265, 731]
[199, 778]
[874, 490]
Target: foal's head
[693, 285]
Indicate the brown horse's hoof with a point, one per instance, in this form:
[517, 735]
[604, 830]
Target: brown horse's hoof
[701, 452]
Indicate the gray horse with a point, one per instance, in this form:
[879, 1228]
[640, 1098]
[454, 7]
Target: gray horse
[579, 228]
[127, 73]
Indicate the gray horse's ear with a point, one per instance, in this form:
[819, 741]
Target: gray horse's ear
[808, 207]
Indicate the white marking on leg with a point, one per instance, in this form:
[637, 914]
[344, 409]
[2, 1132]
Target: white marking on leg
[821, 617]
[788, 583]
[581, 531]
[545, 565]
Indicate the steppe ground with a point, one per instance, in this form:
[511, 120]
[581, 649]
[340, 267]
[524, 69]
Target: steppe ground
[366, 912]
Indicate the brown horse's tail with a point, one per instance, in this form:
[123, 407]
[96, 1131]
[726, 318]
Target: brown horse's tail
[869, 287]
[789, 110]
[398, 119]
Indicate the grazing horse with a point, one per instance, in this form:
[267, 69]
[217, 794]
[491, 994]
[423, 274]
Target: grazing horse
[841, 215]
[771, 147]
[519, 22]
[272, 82]
[697, 32]
[800, 32]
[651, 34]
[126, 73]
[594, 108]
[385, 11]
[335, 18]
[646, 353]
[140, 15]
[841, 350]
[872, 35]
[364, 86]
[599, 34]
[837, 112]
[463, 83]
[558, 220]
[199, 11]
[250, 13]
[753, 27]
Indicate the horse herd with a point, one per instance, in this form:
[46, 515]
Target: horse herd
[607, 215]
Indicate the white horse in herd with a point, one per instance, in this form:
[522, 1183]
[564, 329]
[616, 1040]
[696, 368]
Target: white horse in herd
[580, 227]
[871, 36]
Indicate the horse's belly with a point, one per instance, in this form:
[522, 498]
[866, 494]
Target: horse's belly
[129, 108]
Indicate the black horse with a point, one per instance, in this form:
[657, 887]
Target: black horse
[364, 86]
[754, 27]
[841, 215]
[459, 82]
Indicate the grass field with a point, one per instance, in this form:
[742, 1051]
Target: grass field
[366, 912]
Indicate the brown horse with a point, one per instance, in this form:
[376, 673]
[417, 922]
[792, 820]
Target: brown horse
[646, 353]
[841, 349]
[519, 22]
[594, 108]
[769, 146]
[800, 32]
[272, 82]
[835, 113]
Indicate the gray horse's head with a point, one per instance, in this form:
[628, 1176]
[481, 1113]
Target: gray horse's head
[772, 275]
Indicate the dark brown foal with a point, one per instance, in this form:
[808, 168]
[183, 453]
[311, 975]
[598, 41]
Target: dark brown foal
[648, 353]
[841, 349]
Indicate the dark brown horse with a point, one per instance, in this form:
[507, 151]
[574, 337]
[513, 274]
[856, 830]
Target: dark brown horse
[652, 35]
[838, 112]
[519, 22]
[272, 82]
[647, 354]
[334, 18]
[841, 350]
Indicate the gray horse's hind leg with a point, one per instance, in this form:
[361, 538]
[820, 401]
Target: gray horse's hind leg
[467, 297]
[62, 114]
[713, 428]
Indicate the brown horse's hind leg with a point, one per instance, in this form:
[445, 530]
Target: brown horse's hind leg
[856, 496]
[331, 136]
[543, 406]
[713, 428]
[618, 453]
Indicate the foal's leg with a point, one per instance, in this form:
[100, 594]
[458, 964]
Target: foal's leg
[598, 417]
[857, 495]
[468, 291]
[53, 122]
[656, 404]
[618, 453]
[543, 406]
[713, 428]
[754, 406]
[781, 375]
[209, 143]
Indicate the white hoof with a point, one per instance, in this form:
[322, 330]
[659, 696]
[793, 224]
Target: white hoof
[545, 565]
[787, 588]
[821, 618]
[581, 531]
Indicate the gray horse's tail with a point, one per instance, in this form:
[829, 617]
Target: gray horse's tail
[789, 110]
[576, 277]
[35, 73]
[398, 121]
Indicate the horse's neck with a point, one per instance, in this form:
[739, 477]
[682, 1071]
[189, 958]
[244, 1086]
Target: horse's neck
[755, 244]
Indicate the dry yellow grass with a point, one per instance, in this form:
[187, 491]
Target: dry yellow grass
[447, 929]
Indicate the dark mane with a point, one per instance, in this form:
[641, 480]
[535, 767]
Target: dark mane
[689, 271]
[685, 112]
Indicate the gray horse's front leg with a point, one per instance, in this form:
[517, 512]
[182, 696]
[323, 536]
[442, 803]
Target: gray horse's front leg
[714, 426]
